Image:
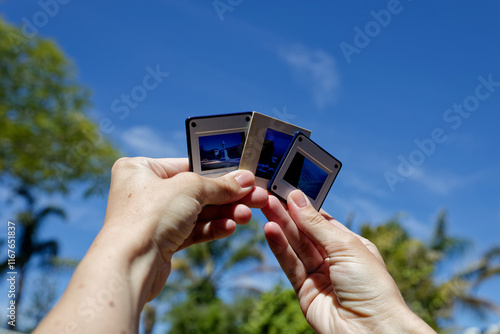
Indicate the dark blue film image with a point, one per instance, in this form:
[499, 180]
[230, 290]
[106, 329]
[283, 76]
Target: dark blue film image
[305, 175]
[221, 151]
[275, 146]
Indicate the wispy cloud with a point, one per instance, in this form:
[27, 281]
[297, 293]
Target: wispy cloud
[145, 141]
[364, 209]
[315, 70]
[444, 184]
[375, 212]
[418, 228]
[363, 184]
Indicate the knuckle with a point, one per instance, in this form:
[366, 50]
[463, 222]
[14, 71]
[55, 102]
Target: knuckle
[368, 243]
[227, 187]
[121, 163]
[192, 183]
[220, 188]
[350, 241]
[126, 163]
[205, 190]
[188, 177]
[314, 218]
[189, 181]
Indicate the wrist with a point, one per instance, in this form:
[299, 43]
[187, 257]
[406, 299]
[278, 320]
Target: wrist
[131, 249]
[405, 321]
[121, 271]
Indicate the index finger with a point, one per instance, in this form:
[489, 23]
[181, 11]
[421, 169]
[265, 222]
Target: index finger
[305, 249]
[325, 233]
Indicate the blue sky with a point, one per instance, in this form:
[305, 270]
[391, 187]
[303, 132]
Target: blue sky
[406, 94]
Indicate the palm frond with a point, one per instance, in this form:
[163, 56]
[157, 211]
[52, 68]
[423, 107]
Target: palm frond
[478, 306]
[442, 242]
[47, 249]
[244, 254]
[492, 253]
[485, 274]
[483, 269]
[25, 193]
[50, 210]
[64, 263]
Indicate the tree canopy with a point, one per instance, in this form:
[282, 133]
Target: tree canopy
[47, 138]
[414, 264]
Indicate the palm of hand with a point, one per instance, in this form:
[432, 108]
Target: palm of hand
[338, 281]
[326, 311]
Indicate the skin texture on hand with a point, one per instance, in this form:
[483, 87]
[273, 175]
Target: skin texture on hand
[339, 277]
[155, 208]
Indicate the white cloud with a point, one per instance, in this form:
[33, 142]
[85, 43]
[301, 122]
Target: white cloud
[145, 141]
[315, 70]
[363, 184]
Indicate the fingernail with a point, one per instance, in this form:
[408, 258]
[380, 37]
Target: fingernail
[245, 179]
[299, 198]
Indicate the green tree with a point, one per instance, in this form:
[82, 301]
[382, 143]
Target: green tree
[214, 316]
[27, 241]
[47, 140]
[414, 264]
[202, 271]
[277, 311]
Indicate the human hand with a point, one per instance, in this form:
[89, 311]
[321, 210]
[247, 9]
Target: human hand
[162, 208]
[339, 277]
[155, 208]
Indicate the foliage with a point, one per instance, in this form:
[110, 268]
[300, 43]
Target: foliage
[277, 311]
[214, 316]
[46, 139]
[413, 265]
[201, 272]
[27, 241]
[148, 318]
[199, 275]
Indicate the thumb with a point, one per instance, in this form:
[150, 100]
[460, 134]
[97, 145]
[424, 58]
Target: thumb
[222, 190]
[314, 225]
